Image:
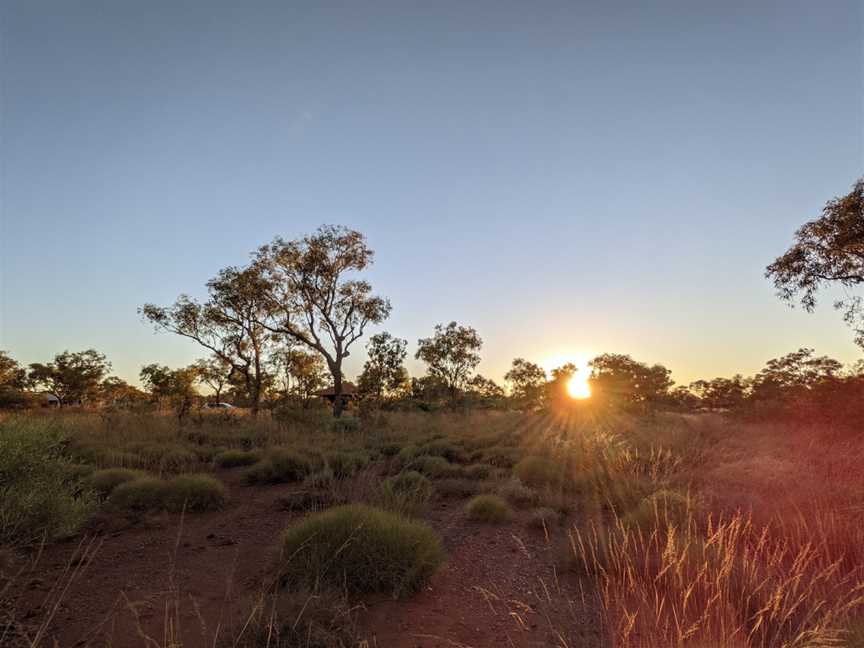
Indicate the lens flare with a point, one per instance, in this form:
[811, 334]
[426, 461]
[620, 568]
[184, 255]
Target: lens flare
[578, 386]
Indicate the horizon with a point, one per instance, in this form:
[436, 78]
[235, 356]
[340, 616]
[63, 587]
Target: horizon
[568, 182]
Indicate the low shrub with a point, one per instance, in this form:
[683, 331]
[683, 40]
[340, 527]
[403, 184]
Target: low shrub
[660, 510]
[502, 456]
[544, 518]
[280, 466]
[177, 460]
[478, 471]
[457, 488]
[539, 471]
[40, 496]
[434, 467]
[195, 493]
[518, 494]
[235, 458]
[345, 425]
[390, 449]
[408, 492]
[344, 464]
[105, 481]
[488, 508]
[361, 549]
[140, 495]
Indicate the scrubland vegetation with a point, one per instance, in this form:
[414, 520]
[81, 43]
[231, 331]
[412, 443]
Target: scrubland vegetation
[680, 529]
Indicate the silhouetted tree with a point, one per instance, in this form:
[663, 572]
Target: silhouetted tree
[71, 377]
[721, 393]
[621, 378]
[215, 372]
[313, 301]
[451, 354]
[485, 391]
[13, 382]
[527, 383]
[174, 386]
[301, 373]
[827, 251]
[384, 372]
[229, 324]
[793, 373]
[115, 391]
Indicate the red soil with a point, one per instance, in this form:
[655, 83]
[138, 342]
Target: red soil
[499, 586]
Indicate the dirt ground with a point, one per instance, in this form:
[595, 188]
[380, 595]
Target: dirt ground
[196, 578]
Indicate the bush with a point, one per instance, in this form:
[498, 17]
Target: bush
[488, 508]
[39, 493]
[659, 510]
[195, 493]
[477, 471]
[235, 458]
[544, 517]
[280, 466]
[105, 481]
[538, 471]
[519, 495]
[457, 488]
[390, 449]
[360, 548]
[345, 424]
[344, 464]
[407, 492]
[435, 467]
[502, 456]
[140, 495]
[177, 459]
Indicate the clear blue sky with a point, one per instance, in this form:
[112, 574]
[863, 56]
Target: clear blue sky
[568, 178]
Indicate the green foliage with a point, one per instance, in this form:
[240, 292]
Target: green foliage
[434, 467]
[105, 481]
[540, 471]
[280, 466]
[140, 495]
[234, 458]
[360, 548]
[488, 508]
[344, 464]
[408, 492]
[518, 494]
[40, 495]
[195, 493]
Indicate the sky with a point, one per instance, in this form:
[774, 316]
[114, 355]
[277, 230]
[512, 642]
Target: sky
[569, 178]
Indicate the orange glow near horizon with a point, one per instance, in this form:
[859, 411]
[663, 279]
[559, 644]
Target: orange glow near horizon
[578, 386]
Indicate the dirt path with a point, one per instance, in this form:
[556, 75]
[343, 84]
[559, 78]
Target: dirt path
[195, 579]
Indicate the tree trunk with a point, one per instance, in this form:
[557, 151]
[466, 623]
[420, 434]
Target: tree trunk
[338, 405]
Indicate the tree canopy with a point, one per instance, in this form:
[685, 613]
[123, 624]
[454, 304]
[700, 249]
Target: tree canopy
[827, 251]
[451, 354]
[71, 377]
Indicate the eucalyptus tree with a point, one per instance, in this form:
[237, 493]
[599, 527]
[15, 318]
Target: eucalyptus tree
[71, 377]
[315, 299]
[230, 323]
[828, 251]
[384, 372]
[451, 354]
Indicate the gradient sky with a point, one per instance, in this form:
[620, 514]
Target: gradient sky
[568, 178]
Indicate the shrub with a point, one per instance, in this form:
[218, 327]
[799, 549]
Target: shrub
[488, 508]
[177, 459]
[444, 449]
[519, 495]
[502, 456]
[435, 467]
[105, 481]
[345, 424]
[457, 488]
[544, 517]
[478, 471]
[360, 548]
[344, 464]
[195, 493]
[408, 492]
[390, 449]
[39, 493]
[539, 471]
[140, 495]
[280, 466]
[234, 458]
[659, 510]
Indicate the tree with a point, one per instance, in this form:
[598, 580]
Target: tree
[827, 251]
[721, 393]
[527, 382]
[116, 391]
[793, 374]
[13, 381]
[230, 324]
[313, 300]
[384, 373]
[176, 386]
[302, 373]
[621, 378]
[485, 391]
[451, 354]
[71, 377]
[215, 372]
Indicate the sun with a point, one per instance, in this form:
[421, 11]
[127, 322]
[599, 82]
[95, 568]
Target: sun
[578, 386]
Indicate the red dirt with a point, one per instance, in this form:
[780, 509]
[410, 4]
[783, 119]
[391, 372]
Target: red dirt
[499, 586]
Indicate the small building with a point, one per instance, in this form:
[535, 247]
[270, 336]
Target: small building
[349, 393]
